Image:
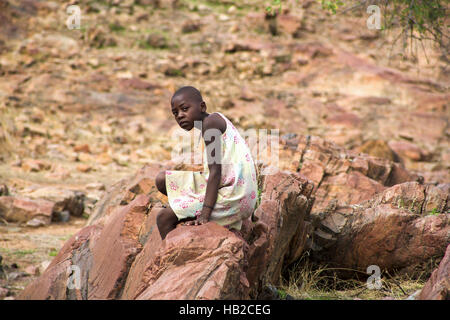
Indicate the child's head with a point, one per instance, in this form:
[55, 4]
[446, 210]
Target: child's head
[188, 106]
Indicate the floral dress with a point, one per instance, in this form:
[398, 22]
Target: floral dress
[237, 194]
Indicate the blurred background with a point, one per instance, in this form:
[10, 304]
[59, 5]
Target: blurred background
[83, 108]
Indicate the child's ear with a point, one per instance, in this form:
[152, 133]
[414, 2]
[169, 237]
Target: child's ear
[203, 106]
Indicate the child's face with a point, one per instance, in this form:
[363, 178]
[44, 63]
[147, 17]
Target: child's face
[186, 111]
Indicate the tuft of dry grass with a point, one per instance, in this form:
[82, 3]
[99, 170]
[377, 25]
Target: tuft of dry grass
[6, 140]
[306, 280]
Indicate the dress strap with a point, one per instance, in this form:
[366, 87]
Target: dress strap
[223, 117]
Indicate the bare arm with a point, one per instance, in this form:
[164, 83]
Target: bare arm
[212, 131]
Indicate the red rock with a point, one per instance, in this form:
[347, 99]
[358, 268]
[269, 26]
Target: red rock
[138, 84]
[20, 209]
[286, 230]
[32, 270]
[438, 286]
[121, 256]
[63, 199]
[111, 260]
[3, 292]
[390, 230]
[4, 190]
[224, 255]
[52, 284]
[407, 150]
[205, 262]
[123, 191]
[82, 148]
[31, 165]
[312, 49]
[346, 119]
[149, 236]
[344, 176]
[289, 23]
[378, 148]
[84, 167]
[244, 45]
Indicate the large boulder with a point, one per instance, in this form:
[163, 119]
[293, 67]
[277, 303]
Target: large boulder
[438, 286]
[64, 199]
[399, 229]
[20, 209]
[125, 190]
[120, 255]
[341, 176]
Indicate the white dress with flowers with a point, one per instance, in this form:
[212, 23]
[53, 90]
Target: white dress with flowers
[237, 194]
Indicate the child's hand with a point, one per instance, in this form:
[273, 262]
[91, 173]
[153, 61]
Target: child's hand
[202, 218]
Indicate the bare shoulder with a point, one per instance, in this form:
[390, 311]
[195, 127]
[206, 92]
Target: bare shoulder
[215, 121]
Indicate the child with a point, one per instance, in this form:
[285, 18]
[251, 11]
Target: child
[225, 191]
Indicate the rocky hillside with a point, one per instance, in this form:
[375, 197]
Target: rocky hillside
[358, 116]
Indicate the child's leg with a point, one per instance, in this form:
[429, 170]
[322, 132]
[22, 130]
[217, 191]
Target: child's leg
[160, 182]
[166, 221]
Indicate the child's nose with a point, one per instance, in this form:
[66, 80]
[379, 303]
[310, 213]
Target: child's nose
[181, 115]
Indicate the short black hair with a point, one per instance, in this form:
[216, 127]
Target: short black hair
[193, 94]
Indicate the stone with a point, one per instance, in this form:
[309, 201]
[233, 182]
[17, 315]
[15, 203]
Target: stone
[82, 148]
[63, 199]
[121, 256]
[62, 216]
[32, 270]
[3, 293]
[390, 230]
[22, 209]
[378, 148]
[123, 191]
[212, 256]
[98, 37]
[190, 26]
[242, 45]
[155, 40]
[31, 165]
[289, 23]
[407, 150]
[84, 167]
[137, 84]
[4, 190]
[36, 222]
[95, 186]
[342, 175]
[438, 286]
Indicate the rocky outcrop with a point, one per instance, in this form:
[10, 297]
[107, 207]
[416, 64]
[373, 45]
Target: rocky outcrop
[369, 210]
[398, 229]
[438, 286]
[40, 205]
[125, 190]
[120, 255]
[24, 210]
[64, 199]
[341, 177]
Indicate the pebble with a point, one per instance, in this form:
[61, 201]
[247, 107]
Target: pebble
[35, 222]
[3, 293]
[62, 216]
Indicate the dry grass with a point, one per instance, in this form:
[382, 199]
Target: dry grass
[308, 281]
[6, 139]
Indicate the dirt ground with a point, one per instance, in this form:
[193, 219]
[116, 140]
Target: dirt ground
[26, 251]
